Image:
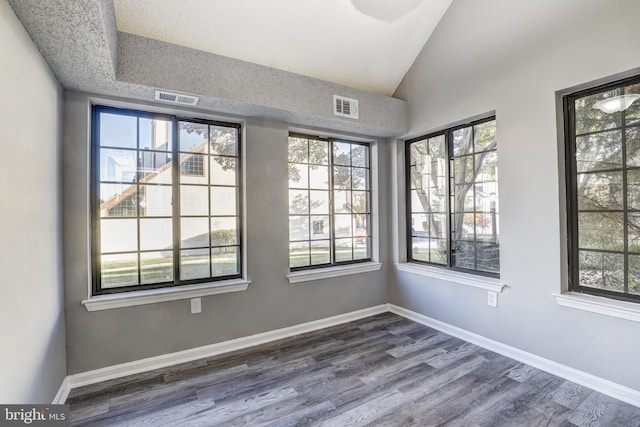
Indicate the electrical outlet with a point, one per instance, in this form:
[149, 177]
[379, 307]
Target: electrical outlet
[492, 298]
[196, 305]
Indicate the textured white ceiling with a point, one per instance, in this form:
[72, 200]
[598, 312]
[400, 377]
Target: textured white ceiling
[364, 44]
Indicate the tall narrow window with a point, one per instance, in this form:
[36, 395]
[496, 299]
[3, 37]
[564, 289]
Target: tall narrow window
[329, 202]
[603, 189]
[165, 201]
[452, 198]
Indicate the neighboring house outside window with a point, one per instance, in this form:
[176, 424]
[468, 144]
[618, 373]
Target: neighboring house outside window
[329, 202]
[602, 145]
[165, 201]
[452, 198]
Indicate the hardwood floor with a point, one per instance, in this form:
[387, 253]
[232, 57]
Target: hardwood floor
[380, 371]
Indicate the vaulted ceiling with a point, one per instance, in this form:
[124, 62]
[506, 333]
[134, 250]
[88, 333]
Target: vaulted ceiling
[364, 44]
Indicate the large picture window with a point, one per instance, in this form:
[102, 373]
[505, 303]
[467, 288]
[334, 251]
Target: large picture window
[452, 198]
[602, 134]
[329, 202]
[165, 200]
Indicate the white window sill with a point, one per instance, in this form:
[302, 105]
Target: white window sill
[476, 281]
[152, 296]
[594, 304]
[328, 272]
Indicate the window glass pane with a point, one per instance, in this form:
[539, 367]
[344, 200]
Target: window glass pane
[464, 255]
[419, 201]
[633, 227]
[488, 167]
[488, 257]
[156, 267]
[155, 200]
[361, 248]
[599, 151]
[600, 191]
[320, 228]
[156, 134]
[194, 200]
[193, 168]
[118, 165]
[342, 202]
[601, 231]
[590, 119]
[195, 264]
[634, 274]
[344, 250]
[118, 270]
[298, 228]
[359, 178]
[117, 130]
[485, 136]
[224, 140]
[359, 202]
[320, 252]
[193, 137]
[341, 153]
[602, 270]
[319, 201]
[298, 176]
[298, 150]
[318, 152]
[633, 145]
[223, 170]
[319, 177]
[633, 189]
[118, 235]
[194, 233]
[341, 177]
[360, 155]
[224, 231]
[343, 225]
[298, 202]
[156, 234]
[223, 201]
[224, 261]
[118, 200]
[361, 225]
[462, 141]
[420, 249]
[155, 168]
[463, 169]
[299, 255]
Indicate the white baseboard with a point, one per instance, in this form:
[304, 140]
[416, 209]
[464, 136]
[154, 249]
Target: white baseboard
[593, 382]
[151, 363]
[63, 392]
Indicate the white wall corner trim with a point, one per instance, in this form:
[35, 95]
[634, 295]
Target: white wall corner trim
[476, 281]
[600, 305]
[151, 363]
[63, 392]
[127, 299]
[593, 382]
[326, 273]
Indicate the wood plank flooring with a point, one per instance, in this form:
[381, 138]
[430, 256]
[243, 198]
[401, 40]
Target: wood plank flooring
[381, 371]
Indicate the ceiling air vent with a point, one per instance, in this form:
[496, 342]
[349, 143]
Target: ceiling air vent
[345, 107]
[176, 98]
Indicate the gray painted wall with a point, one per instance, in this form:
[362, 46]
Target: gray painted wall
[512, 57]
[105, 338]
[32, 340]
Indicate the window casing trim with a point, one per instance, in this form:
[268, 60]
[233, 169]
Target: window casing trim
[444, 131]
[178, 289]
